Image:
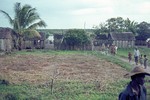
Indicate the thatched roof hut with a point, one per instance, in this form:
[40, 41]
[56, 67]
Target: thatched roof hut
[123, 36]
[7, 38]
[122, 39]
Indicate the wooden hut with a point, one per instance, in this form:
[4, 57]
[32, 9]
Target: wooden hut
[58, 39]
[100, 41]
[122, 40]
[7, 39]
[35, 42]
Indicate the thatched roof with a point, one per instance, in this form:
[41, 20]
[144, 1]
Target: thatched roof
[6, 33]
[101, 37]
[124, 36]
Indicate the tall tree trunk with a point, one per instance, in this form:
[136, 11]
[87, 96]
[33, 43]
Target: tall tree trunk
[20, 43]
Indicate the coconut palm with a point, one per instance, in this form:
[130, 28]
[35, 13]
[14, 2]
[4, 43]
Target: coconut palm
[25, 21]
[131, 26]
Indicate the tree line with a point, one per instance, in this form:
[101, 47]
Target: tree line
[140, 30]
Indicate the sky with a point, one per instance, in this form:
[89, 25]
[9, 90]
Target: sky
[69, 14]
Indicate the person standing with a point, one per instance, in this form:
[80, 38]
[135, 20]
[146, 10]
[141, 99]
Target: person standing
[136, 55]
[116, 48]
[141, 59]
[129, 57]
[135, 90]
[108, 49]
[145, 61]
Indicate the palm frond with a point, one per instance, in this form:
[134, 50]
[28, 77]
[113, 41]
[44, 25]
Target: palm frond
[24, 15]
[26, 18]
[7, 16]
[17, 9]
[32, 16]
[41, 23]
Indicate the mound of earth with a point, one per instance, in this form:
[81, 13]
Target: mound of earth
[42, 68]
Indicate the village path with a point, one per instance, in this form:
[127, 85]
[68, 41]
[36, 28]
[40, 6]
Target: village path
[132, 63]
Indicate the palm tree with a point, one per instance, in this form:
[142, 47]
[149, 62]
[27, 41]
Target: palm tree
[131, 26]
[26, 20]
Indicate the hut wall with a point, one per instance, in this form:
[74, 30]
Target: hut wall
[2, 45]
[49, 44]
[5, 45]
[8, 45]
[28, 44]
[41, 44]
[124, 44]
[97, 48]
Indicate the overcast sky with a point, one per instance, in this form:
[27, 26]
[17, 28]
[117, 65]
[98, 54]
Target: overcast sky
[64, 14]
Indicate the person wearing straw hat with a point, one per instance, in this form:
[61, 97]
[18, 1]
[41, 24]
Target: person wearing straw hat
[135, 90]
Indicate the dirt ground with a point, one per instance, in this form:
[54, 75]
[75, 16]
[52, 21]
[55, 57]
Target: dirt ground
[42, 68]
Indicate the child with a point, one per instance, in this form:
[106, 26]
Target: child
[141, 59]
[145, 61]
[129, 56]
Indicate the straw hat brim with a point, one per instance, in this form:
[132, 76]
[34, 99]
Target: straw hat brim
[137, 70]
[132, 74]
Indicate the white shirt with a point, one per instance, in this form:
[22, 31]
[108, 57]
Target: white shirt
[136, 53]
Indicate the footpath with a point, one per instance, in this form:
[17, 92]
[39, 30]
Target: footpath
[132, 63]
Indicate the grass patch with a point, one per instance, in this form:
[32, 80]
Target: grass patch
[113, 59]
[70, 90]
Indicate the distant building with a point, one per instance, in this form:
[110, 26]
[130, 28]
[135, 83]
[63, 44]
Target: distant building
[123, 39]
[100, 40]
[7, 39]
[120, 39]
[36, 42]
[49, 42]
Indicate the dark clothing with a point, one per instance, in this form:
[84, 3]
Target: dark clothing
[145, 62]
[129, 56]
[130, 94]
[136, 59]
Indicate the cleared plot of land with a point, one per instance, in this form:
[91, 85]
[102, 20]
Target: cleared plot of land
[41, 68]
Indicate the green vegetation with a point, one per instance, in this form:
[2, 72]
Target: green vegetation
[76, 39]
[114, 59]
[25, 22]
[69, 90]
[62, 90]
[140, 30]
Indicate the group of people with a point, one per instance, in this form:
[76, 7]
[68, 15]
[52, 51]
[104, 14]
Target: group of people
[135, 89]
[113, 50]
[138, 58]
[109, 49]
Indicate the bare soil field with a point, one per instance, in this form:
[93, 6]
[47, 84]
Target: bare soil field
[38, 69]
